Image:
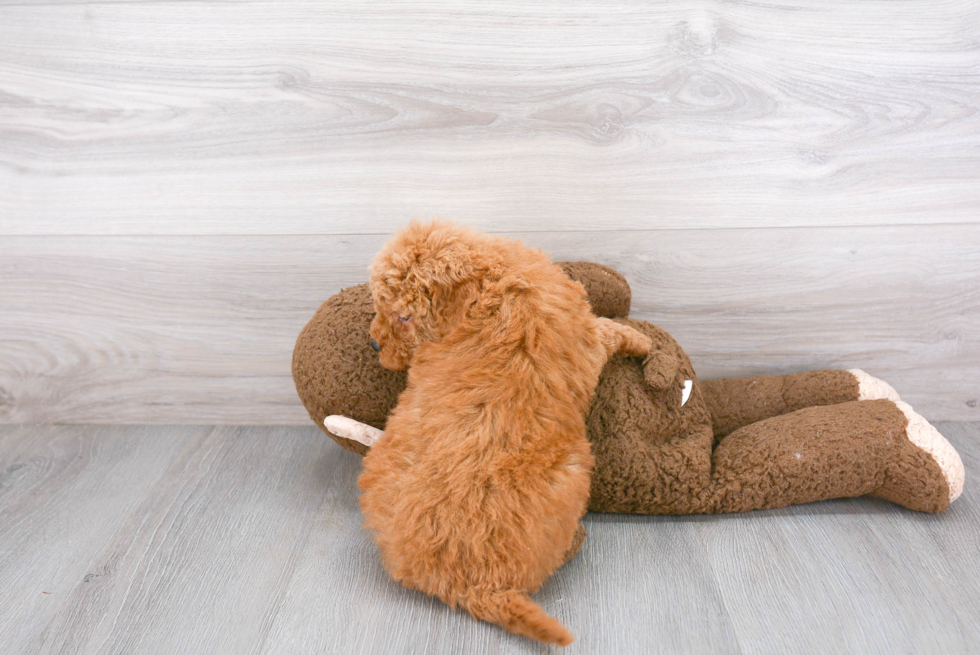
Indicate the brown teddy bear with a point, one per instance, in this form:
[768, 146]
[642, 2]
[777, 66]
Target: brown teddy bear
[665, 442]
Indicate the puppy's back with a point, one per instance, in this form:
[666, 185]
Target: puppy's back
[475, 492]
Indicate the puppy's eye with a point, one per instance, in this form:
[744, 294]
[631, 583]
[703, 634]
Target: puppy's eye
[404, 319]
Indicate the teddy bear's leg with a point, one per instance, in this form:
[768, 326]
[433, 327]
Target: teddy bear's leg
[878, 447]
[737, 402]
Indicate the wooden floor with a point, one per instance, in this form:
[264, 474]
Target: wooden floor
[160, 539]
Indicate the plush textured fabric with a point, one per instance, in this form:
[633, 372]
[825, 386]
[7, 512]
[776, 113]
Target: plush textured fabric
[731, 447]
[653, 456]
[337, 372]
[609, 292]
[738, 402]
[817, 453]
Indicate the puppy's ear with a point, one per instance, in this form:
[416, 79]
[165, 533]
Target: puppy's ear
[447, 268]
[431, 263]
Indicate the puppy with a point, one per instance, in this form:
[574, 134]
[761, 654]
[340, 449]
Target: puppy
[476, 489]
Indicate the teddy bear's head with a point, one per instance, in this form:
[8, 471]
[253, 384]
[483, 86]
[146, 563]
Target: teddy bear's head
[646, 415]
[336, 370]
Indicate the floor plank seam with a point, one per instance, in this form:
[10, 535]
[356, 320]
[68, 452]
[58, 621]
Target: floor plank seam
[294, 564]
[718, 589]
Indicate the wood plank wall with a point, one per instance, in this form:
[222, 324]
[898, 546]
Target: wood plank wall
[787, 185]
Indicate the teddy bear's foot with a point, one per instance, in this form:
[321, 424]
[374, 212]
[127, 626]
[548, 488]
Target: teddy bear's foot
[911, 480]
[864, 447]
[871, 388]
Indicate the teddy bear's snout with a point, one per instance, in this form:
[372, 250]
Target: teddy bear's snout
[374, 344]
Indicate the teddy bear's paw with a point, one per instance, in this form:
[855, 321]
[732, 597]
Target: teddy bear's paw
[660, 369]
[348, 428]
[921, 433]
[871, 388]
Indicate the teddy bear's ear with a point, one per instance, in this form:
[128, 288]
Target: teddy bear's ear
[609, 292]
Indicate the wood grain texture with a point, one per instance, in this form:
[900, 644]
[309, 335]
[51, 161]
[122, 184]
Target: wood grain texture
[131, 330]
[249, 540]
[195, 329]
[650, 604]
[943, 549]
[64, 494]
[718, 153]
[205, 559]
[854, 575]
[305, 117]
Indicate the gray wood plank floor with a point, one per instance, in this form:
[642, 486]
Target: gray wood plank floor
[138, 539]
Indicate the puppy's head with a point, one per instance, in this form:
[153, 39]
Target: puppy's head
[421, 282]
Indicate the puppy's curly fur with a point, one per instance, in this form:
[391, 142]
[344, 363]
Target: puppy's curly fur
[476, 489]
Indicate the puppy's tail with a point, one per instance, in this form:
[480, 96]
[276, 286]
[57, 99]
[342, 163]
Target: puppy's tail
[517, 613]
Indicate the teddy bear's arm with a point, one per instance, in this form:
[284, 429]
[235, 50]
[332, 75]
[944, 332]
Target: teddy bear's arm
[660, 367]
[348, 428]
[660, 370]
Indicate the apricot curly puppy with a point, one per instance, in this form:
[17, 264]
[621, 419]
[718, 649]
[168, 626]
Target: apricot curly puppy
[477, 487]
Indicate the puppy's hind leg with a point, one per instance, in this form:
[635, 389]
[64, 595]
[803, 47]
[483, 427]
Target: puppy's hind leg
[619, 339]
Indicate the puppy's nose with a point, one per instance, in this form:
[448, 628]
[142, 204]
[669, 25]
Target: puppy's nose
[374, 344]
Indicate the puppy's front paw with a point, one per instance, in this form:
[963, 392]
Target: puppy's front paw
[635, 344]
[623, 340]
